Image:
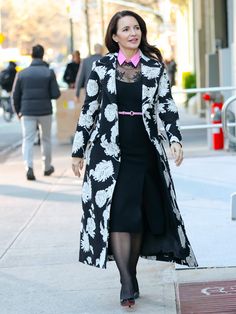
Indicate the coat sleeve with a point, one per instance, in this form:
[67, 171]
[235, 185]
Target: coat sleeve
[80, 80]
[54, 88]
[167, 109]
[16, 94]
[88, 115]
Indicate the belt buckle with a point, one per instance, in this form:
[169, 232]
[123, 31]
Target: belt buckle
[131, 113]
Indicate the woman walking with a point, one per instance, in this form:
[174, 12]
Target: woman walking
[128, 197]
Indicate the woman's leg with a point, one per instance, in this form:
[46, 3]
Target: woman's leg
[121, 248]
[136, 240]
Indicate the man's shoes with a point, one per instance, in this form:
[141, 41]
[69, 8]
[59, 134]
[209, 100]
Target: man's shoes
[49, 171]
[30, 174]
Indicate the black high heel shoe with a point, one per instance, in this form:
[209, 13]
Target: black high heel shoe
[136, 288]
[127, 301]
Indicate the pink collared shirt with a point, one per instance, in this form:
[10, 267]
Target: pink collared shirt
[135, 59]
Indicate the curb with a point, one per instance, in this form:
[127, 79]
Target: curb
[10, 149]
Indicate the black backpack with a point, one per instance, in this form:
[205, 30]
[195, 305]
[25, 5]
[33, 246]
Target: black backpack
[6, 79]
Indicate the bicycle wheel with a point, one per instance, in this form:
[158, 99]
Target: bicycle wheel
[7, 112]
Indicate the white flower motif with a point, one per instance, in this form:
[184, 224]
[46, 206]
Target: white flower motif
[167, 178]
[191, 259]
[85, 120]
[172, 193]
[182, 236]
[158, 147]
[93, 106]
[161, 108]
[172, 106]
[148, 91]
[114, 131]
[110, 149]
[78, 141]
[86, 191]
[90, 227]
[150, 72]
[110, 112]
[88, 152]
[111, 86]
[101, 71]
[89, 260]
[103, 171]
[106, 215]
[93, 134]
[147, 115]
[100, 198]
[177, 213]
[101, 260]
[92, 88]
[110, 190]
[163, 85]
[104, 232]
[168, 126]
[85, 242]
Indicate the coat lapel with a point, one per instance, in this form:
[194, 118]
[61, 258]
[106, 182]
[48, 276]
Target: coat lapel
[150, 70]
[111, 79]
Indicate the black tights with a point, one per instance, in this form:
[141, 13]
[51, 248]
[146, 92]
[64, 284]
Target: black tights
[126, 248]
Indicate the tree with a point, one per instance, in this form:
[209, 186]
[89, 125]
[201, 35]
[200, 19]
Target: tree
[28, 22]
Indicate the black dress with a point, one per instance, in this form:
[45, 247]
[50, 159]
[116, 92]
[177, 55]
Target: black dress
[137, 198]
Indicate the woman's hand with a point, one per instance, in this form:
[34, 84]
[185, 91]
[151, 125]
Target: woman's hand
[77, 165]
[177, 153]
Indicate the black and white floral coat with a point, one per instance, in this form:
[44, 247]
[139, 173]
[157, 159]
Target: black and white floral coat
[97, 140]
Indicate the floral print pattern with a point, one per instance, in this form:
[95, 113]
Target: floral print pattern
[97, 139]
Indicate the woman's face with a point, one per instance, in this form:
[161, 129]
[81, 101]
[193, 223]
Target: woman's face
[128, 34]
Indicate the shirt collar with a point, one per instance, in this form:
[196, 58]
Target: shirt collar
[134, 60]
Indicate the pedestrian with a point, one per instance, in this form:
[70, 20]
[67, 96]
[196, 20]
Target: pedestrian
[33, 90]
[72, 69]
[171, 70]
[128, 197]
[86, 68]
[7, 76]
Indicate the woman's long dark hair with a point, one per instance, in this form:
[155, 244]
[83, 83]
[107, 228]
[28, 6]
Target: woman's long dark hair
[147, 49]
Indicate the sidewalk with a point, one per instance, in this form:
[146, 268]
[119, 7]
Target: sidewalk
[39, 234]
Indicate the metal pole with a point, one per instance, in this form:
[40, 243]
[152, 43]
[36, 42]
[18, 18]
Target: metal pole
[71, 36]
[230, 136]
[101, 3]
[86, 11]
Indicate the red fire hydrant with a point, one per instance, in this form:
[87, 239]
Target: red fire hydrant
[216, 109]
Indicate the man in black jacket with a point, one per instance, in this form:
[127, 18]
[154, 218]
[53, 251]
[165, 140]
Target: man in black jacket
[33, 90]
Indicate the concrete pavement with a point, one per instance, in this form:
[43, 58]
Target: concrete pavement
[39, 234]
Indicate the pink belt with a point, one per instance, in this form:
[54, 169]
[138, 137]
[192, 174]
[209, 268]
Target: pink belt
[130, 113]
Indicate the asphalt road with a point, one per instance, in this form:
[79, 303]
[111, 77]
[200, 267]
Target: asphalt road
[10, 134]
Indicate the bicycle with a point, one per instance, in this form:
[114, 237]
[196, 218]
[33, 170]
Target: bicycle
[5, 103]
[8, 113]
